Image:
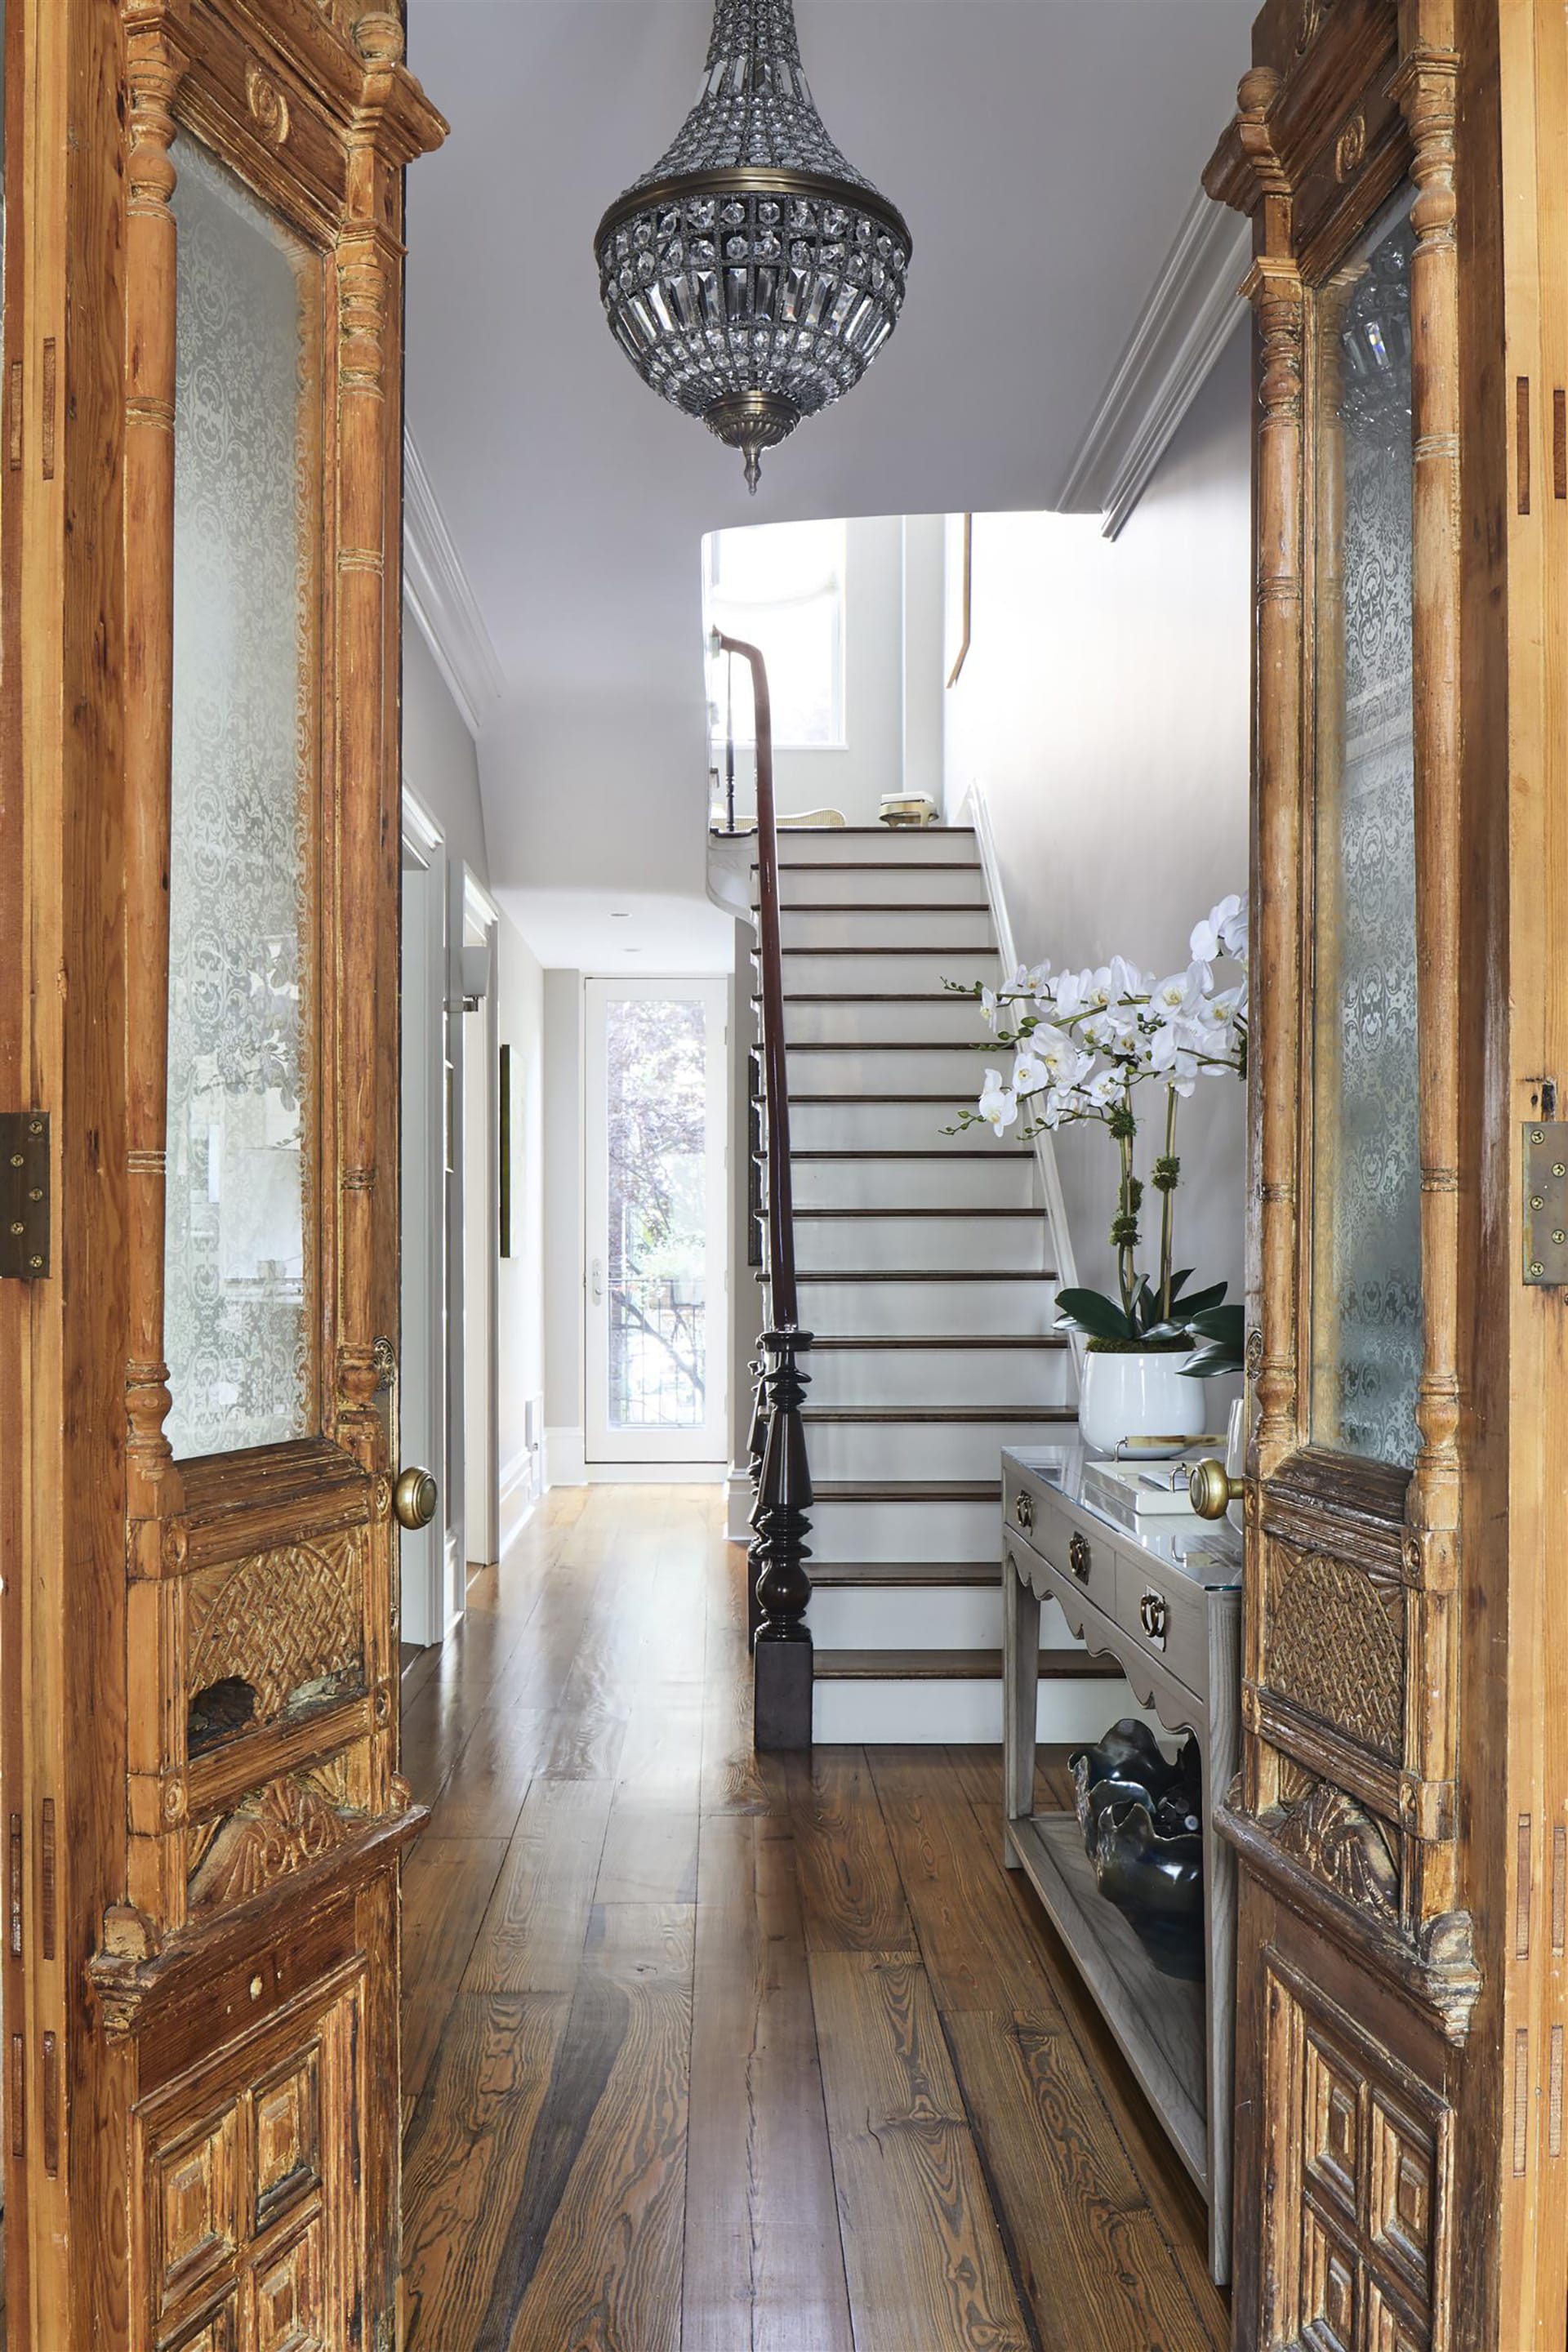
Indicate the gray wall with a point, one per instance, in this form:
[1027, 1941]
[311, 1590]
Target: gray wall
[1103, 711]
[562, 1035]
[440, 767]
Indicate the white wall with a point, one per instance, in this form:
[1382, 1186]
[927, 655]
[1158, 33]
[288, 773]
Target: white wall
[1103, 711]
[563, 1225]
[440, 767]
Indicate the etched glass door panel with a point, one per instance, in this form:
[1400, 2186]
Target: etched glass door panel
[655, 1230]
[239, 1245]
[1366, 1187]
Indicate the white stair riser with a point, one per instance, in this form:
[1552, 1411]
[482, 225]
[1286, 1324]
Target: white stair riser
[872, 925]
[916, 1449]
[921, 1617]
[853, 1021]
[895, 1531]
[928, 885]
[924, 1307]
[882, 1125]
[888, 1067]
[888, 1376]
[981, 1178]
[1012, 1245]
[902, 974]
[959, 1714]
[837, 845]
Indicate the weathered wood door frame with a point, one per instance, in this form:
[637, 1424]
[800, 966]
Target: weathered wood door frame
[167, 2039]
[1401, 1818]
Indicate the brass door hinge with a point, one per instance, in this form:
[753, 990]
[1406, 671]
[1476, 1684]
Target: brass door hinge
[23, 1195]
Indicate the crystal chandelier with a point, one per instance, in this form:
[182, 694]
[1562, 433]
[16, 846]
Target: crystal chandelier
[752, 275]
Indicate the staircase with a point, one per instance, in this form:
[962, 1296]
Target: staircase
[924, 1270]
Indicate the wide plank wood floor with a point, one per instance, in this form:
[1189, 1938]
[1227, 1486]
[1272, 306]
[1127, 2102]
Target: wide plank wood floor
[708, 2054]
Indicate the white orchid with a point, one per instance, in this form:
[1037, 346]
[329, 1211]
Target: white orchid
[1182, 995]
[998, 1104]
[1030, 1072]
[1223, 932]
[1105, 1090]
[989, 1007]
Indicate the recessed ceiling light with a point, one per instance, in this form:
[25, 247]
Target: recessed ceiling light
[631, 950]
[620, 915]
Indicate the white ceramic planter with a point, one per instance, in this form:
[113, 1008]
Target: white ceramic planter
[1143, 1395]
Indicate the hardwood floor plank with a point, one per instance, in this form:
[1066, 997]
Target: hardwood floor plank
[924, 2260]
[1089, 2253]
[649, 1854]
[447, 1887]
[979, 1947]
[850, 1894]
[533, 1935]
[764, 2259]
[467, 2161]
[851, 2098]
[594, 2256]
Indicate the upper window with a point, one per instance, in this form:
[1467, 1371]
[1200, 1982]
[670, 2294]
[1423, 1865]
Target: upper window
[780, 586]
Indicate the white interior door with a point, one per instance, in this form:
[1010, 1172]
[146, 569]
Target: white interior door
[422, 1360]
[655, 1102]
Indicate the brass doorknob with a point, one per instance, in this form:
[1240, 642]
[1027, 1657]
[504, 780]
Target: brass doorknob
[413, 1498]
[1211, 1489]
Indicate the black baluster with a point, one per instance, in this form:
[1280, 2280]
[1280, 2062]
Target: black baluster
[782, 1521]
[757, 1448]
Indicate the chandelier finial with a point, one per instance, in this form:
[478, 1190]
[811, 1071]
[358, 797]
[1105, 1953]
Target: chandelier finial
[753, 275]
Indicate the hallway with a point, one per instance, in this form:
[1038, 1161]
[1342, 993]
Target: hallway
[704, 2053]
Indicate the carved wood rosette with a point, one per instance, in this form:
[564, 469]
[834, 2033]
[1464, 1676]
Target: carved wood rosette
[1366, 1896]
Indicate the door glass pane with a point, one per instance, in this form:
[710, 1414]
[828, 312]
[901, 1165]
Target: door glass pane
[656, 1244]
[1366, 1341]
[237, 1276]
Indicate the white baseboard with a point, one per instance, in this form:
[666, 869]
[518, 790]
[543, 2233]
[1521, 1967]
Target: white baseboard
[653, 1474]
[737, 1506]
[519, 1487]
[563, 1462]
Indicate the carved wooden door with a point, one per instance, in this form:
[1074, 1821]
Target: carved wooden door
[1402, 1817]
[199, 834]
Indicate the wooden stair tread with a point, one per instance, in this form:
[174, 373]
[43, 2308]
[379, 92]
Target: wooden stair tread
[932, 948]
[979, 1412]
[927, 1274]
[851, 832]
[951, 1665]
[980, 1210]
[872, 996]
[797, 1099]
[1007, 1151]
[1056, 1339]
[891, 907]
[833, 1575]
[908, 1490]
[875, 865]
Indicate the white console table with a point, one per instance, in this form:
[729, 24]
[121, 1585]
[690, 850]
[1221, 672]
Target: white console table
[1162, 1599]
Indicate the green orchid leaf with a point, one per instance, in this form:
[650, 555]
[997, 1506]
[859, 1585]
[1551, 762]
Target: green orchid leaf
[1203, 1302]
[1091, 1311]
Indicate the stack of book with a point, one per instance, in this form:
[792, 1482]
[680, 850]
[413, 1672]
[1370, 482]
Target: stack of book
[1129, 1492]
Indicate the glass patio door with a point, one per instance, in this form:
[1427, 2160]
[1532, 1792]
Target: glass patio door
[656, 1221]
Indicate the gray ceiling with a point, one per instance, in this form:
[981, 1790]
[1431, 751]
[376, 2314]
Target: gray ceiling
[1043, 152]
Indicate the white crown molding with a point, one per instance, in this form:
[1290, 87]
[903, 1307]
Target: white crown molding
[440, 599]
[1192, 310]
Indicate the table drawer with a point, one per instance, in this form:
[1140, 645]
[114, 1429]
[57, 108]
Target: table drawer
[1044, 1528]
[1167, 1617]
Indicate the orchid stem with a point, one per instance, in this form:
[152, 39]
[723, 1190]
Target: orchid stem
[1167, 1209]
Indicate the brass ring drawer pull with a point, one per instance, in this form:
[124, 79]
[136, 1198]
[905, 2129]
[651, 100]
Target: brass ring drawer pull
[1023, 1508]
[1078, 1556]
[1154, 1616]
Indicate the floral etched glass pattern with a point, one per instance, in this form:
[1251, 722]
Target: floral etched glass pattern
[237, 1286]
[1367, 1310]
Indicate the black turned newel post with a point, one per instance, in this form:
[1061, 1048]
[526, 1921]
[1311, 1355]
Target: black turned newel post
[783, 1586]
[757, 1448]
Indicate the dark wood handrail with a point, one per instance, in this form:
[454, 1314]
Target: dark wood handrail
[781, 1204]
[780, 1584]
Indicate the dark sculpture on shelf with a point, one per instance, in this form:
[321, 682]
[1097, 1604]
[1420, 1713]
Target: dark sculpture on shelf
[1142, 1818]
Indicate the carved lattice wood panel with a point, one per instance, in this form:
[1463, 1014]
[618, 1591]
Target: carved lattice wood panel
[1361, 2180]
[247, 2193]
[289, 1624]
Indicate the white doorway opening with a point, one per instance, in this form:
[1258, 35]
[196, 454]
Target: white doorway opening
[656, 1228]
[480, 1432]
